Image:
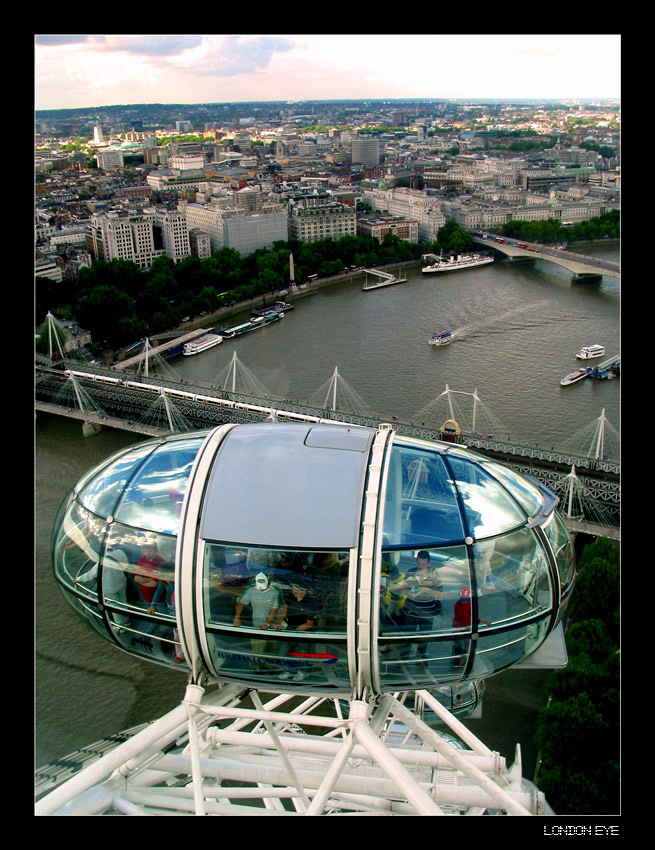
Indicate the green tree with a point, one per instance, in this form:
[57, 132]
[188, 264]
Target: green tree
[452, 237]
[573, 778]
[208, 299]
[578, 732]
[589, 638]
[597, 590]
[601, 548]
[50, 294]
[128, 329]
[269, 280]
[102, 310]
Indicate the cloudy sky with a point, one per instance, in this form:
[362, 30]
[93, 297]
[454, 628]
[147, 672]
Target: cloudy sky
[100, 70]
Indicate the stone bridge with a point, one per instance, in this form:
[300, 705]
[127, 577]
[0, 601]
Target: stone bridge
[581, 266]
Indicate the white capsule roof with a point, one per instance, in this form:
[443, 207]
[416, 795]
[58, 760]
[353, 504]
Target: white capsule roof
[304, 486]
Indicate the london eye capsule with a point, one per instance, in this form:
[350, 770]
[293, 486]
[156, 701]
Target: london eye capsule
[315, 557]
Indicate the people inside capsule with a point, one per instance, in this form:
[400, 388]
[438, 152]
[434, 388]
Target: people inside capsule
[392, 597]
[264, 600]
[298, 614]
[114, 579]
[145, 574]
[423, 593]
[462, 620]
[324, 573]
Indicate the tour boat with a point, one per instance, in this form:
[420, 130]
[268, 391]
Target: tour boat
[257, 322]
[276, 307]
[457, 262]
[589, 351]
[578, 375]
[201, 344]
[442, 338]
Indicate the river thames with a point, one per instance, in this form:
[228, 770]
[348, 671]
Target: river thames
[519, 328]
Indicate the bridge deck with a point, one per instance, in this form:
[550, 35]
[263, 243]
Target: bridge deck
[578, 264]
[180, 340]
[592, 529]
[101, 419]
[601, 477]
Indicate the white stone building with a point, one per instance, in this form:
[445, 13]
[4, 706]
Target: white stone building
[243, 221]
[138, 238]
[410, 204]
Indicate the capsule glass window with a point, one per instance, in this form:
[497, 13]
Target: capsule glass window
[115, 542]
[153, 499]
[512, 578]
[488, 507]
[560, 540]
[101, 492]
[420, 505]
[276, 615]
[525, 491]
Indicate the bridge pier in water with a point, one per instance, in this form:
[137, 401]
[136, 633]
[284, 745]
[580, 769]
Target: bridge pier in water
[89, 429]
[581, 277]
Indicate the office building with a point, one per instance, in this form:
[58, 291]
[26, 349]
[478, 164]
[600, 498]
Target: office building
[138, 238]
[411, 204]
[109, 158]
[366, 151]
[320, 217]
[243, 221]
[379, 227]
[200, 243]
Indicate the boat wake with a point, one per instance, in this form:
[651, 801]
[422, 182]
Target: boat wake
[482, 324]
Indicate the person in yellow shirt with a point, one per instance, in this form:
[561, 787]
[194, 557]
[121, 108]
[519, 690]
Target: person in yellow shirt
[392, 598]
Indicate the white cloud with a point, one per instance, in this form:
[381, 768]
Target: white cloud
[75, 70]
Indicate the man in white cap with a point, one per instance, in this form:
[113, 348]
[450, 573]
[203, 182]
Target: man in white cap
[264, 598]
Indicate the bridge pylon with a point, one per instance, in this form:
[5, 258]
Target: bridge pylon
[86, 405]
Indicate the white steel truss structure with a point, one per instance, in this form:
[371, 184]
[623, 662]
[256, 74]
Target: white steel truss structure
[228, 752]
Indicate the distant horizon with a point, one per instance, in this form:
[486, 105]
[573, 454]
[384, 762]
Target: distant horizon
[94, 71]
[337, 100]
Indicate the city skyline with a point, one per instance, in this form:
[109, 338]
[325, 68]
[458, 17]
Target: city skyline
[76, 71]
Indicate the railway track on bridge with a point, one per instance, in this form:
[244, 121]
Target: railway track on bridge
[144, 406]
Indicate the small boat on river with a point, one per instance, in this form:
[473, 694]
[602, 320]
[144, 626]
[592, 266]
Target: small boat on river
[256, 322]
[577, 375]
[442, 337]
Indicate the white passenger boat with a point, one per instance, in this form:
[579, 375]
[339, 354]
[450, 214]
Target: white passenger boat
[201, 344]
[575, 376]
[442, 337]
[587, 352]
[456, 262]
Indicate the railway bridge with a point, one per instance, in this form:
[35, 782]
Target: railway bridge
[588, 485]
